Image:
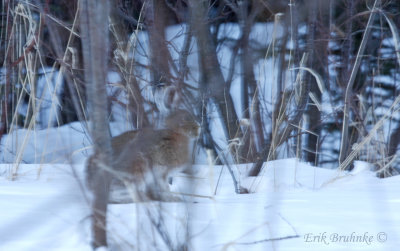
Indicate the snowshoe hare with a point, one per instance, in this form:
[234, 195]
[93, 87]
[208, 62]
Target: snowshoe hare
[149, 158]
[144, 158]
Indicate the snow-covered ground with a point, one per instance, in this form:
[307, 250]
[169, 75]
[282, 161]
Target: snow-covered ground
[309, 208]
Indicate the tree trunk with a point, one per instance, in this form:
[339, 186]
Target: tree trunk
[156, 18]
[394, 142]
[250, 100]
[94, 35]
[211, 79]
[317, 51]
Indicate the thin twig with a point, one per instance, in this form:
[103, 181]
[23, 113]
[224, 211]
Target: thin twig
[268, 240]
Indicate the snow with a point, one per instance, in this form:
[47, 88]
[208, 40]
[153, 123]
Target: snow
[312, 205]
[48, 213]
[65, 144]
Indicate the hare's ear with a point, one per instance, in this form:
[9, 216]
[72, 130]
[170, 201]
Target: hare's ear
[171, 98]
[167, 99]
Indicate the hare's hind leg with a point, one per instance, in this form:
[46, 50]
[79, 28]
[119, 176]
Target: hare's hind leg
[127, 191]
[157, 186]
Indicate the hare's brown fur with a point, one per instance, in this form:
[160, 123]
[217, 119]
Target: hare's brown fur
[150, 152]
[164, 149]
